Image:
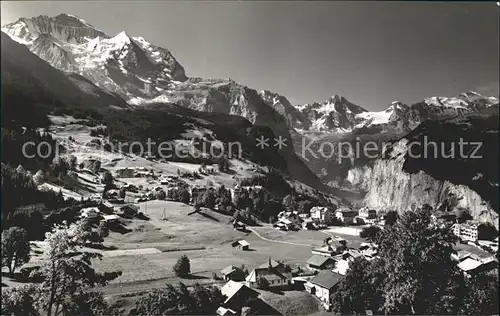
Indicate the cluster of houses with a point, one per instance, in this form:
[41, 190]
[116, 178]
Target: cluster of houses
[134, 172]
[107, 213]
[238, 189]
[324, 270]
[320, 217]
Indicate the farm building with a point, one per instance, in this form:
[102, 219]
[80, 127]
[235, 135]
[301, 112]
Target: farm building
[239, 225]
[241, 244]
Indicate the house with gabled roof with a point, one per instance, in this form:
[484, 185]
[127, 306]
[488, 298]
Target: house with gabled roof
[274, 272]
[241, 244]
[319, 262]
[236, 295]
[322, 285]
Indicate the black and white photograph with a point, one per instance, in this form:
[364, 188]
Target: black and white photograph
[284, 158]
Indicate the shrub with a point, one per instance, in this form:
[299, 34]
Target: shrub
[183, 267]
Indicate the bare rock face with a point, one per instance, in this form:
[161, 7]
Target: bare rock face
[398, 181]
[391, 188]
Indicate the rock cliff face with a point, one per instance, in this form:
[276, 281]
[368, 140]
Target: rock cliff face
[399, 180]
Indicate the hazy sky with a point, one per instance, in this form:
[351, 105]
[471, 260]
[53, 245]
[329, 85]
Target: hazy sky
[371, 53]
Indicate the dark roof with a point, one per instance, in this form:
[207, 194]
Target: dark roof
[272, 274]
[318, 260]
[130, 206]
[228, 270]
[327, 279]
[274, 264]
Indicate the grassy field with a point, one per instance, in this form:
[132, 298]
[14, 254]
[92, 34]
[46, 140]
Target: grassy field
[291, 303]
[204, 237]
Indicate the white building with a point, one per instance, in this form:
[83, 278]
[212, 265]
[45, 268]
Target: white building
[322, 214]
[467, 231]
[322, 285]
[89, 212]
[346, 216]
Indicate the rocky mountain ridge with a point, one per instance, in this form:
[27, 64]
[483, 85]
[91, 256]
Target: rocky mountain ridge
[398, 180]
[147, 75]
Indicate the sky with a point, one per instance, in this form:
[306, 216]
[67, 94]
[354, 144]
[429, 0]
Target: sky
[372, 53]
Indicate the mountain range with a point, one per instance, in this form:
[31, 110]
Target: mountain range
[143, 73]
[90, 67]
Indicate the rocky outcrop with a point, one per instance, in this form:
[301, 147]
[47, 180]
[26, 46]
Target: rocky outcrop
[389, 187]
[398, 180]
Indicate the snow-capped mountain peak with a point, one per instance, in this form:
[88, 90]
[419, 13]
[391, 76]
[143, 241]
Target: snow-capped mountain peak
[339, 115]
[131, 67]
[121, 38]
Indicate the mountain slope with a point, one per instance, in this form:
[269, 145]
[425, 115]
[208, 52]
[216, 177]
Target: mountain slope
[128, 66]
[18, 63]
[146, 74]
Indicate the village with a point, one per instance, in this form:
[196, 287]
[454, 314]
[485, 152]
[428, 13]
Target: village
[258, 256]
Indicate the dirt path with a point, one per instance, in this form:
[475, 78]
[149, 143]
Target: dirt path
[276, 241]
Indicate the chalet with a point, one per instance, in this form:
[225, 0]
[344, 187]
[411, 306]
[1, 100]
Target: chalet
[319, 262]
[239, 225]
[129, 210]
[346, 216]
[110, 219]
[322, 214]
[322, 285]
[90, 212]
[351, 254]
[241, 244]
[284, 224]
[275, 274]
[236, 295]
[228, 272]
[328, 250]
